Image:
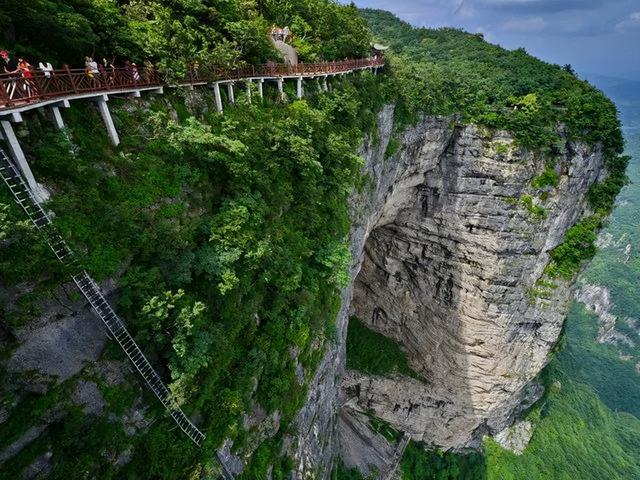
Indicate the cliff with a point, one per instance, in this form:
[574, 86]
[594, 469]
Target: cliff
[236, 247]
[446, 260]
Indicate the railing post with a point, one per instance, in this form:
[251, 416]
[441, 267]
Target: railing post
[4, 96]
[37, 85]
[73, 82]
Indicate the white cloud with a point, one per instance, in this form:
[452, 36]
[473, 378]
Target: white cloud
[631, 23]
[529, 24]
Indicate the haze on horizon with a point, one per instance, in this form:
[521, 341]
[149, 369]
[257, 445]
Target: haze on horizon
[599, 37]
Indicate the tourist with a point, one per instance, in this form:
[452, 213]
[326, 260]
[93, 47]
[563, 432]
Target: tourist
[8, 65]
[25, 70]
[91, 70]
[106, 71]
[110, 70]
[195, 71]
[279, 34]
[93, 65]
[134, 72]
[46, 68]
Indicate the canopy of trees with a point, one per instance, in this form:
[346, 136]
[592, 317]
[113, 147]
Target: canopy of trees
[174, 33]
[228, 235]
[447, 71]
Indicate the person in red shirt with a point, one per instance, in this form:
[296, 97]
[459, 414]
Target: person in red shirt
[25, 69]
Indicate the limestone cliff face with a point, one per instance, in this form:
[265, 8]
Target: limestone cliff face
[446, 255]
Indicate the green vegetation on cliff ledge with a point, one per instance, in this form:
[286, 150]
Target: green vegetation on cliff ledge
[420, 464]
[371, 352]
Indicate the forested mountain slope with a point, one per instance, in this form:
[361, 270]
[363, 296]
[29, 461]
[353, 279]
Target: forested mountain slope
[227, 242]
[584, 427]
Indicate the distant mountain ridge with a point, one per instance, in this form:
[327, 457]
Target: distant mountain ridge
[624, 92]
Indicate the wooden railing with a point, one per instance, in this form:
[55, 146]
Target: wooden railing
[18, 90]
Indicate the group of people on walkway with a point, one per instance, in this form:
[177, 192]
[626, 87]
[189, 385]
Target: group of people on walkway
[105, 71]
[279, 33]
[18, 67]
[22, 74]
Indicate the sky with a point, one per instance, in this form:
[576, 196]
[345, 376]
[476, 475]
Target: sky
[599, 37]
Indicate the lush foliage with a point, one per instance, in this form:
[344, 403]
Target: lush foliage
[173, 34]
[548, 178]
[229, 239]
[421, 464]
[576, 436]
[578, 246]
[602, 196]
[341, 472]
[371, 352]
[447, 71]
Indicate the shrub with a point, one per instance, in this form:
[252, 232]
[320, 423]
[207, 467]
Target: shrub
[548, 178]
[578, 247]
[371, 352]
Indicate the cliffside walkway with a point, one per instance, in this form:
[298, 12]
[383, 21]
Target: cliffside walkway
[55, 91]
[18, 94]
[94, 296]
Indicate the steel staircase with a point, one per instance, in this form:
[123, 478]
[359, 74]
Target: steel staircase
[397, 457]
[94, 296]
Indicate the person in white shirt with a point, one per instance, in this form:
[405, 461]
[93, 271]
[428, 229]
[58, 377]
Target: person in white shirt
[46, 69]
[94, 67]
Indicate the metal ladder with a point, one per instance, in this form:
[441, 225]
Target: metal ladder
[397, 457]
[94, 296]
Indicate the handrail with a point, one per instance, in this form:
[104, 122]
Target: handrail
[18, 90]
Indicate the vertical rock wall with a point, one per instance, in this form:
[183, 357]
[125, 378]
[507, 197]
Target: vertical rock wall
[446, 255]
